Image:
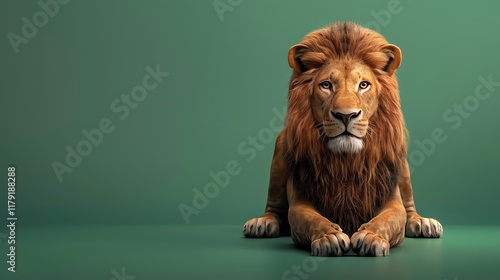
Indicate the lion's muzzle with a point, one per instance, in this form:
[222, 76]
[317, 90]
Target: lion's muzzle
[345, 128]
[342, 121]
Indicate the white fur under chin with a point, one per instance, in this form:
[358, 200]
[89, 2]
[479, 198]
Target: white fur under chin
[345, 144]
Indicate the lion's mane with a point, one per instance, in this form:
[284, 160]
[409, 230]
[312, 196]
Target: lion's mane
[346, 188]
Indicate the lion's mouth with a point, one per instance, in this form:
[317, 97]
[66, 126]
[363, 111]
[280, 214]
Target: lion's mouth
[344, 134]
[347, 133]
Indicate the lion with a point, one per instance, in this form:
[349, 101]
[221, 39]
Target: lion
[339, 175]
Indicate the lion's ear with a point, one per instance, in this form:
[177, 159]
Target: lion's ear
[301, 59]
[294, 57]
[394, 58]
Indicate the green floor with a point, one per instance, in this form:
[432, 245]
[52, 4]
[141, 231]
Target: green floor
[220, 252]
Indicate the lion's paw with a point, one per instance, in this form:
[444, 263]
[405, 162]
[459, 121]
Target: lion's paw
[261, 227]
[423, 227]
[367, 243]
[331, 244]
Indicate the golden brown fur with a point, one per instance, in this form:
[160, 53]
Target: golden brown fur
[324, 191]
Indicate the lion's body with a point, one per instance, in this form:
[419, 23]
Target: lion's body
[340, 163]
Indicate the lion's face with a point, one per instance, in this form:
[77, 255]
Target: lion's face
[344, 97]
[341, 73]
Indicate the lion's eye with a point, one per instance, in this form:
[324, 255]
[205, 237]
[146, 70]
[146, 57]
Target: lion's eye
[363, 86]
[326, 85]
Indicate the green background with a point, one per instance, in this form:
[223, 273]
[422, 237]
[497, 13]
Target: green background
[228, 78]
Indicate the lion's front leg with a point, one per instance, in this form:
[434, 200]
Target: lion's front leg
[273, 222]
[309, 228]
[416, 225]
[385, 230]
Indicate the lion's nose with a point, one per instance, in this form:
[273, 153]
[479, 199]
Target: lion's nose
[345, 117]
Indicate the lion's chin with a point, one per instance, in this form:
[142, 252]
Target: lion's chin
[345, 144]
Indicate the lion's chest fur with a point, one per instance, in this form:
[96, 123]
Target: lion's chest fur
[347, 191]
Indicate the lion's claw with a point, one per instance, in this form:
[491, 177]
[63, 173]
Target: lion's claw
[261, 227]
[424, 227]
[366, 243]
[331, 244]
